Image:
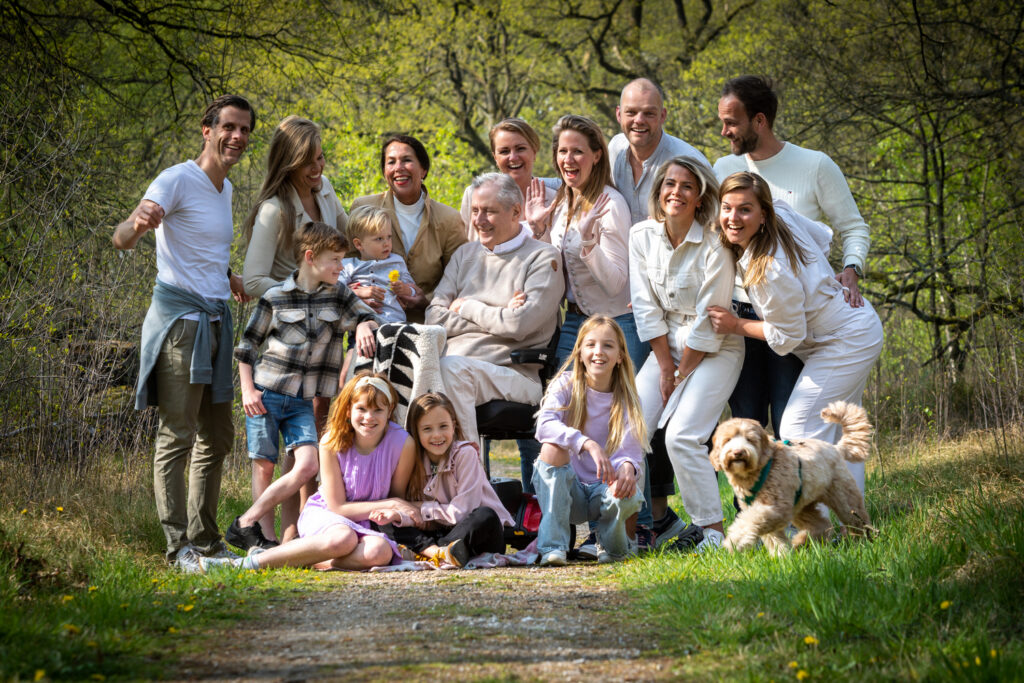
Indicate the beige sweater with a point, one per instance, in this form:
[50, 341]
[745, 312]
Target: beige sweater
[485, 328]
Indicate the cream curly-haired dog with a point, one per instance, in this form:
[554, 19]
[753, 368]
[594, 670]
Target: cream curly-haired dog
[781, 482]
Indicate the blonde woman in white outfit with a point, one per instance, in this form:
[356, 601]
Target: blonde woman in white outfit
[781, 257]
[678, 269]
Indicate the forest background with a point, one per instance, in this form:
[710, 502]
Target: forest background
[919, 101]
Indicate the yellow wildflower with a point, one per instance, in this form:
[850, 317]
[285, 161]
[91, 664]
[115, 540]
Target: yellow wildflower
[98, 677]
[760, 614]
[945, 604]
[992, 653]
[793, 665]
[93, 589]
[810, 640]
[185, 608]
[23, 511]
[171, 629]
[802, 675]
[40, 675]
[92, 643]
[72, 629]
[60, 509]
[67, 598]
[124, 605]
[729, 595]
[977, 661]
[393, 276]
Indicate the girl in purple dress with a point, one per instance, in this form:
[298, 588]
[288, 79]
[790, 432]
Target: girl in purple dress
[365, 464]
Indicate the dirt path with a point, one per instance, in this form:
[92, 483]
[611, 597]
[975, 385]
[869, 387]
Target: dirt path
[496, 624]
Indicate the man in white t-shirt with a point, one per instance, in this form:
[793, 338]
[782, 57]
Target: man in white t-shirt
[185, 355]
[810, 182]
[642, 147]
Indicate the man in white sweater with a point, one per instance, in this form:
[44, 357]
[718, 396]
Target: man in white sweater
[497, 295]
[810, 182]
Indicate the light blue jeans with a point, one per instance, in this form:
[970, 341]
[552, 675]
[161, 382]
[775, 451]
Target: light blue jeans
[564, 500]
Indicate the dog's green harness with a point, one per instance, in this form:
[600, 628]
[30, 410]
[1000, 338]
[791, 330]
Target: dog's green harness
[764, 477]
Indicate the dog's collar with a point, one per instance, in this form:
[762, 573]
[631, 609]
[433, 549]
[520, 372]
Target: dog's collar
[752, 496]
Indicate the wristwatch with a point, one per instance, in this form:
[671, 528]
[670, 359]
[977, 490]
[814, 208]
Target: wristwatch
[856, 269]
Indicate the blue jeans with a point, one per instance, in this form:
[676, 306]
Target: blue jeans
[291, 417]
[766, 380]
[564, 500]
[638, 352]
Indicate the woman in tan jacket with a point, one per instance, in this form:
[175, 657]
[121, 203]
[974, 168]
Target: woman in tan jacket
[427, 232]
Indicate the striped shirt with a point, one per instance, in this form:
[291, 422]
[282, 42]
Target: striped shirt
[303, 334]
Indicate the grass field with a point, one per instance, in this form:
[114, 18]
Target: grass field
[937, 595]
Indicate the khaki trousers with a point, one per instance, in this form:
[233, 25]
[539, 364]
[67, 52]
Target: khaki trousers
[189, 424]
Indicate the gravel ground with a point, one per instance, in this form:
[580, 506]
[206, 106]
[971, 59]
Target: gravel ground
[494, 624]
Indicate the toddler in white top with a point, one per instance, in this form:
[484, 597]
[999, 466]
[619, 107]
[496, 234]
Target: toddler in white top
[382, 273]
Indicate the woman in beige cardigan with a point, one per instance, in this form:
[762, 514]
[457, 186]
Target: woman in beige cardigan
[294, 191]
[426, 233]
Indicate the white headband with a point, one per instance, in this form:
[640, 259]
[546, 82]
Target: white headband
[378, 384]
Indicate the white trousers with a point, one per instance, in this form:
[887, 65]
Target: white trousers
[469, 382]
[836, 368]
[703, 399]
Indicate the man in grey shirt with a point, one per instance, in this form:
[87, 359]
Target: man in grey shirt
[642, 147]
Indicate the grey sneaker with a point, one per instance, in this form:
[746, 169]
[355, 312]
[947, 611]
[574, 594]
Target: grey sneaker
[208, 564]
[553, 558]
[187, 560]
[667, 528]
[588, 549]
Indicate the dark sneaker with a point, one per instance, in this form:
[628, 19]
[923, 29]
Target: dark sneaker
[247, 537]
[588, 549]
[456, 553]
[219, 551]
[667, 528]
[688, 540]
[645, 539]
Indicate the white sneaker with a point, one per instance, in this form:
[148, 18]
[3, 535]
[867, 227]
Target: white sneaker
[187, 560]
[553, 558]
[713, 539]
[220, 551]
[207, 564]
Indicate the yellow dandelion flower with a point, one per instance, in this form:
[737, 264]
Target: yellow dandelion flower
[945, 604]
[92, 643]
[171, 629]
[156, 603]
[729, 595]
[67, 598]
[98, 677]
[40, 675]
[992, 653]
[155, 581]
[977, 661]
[810, 640]
[60, 508]
[124, 605]
[793, 665]
[802, 675]
[760, 614]
[72, 629]
[25, 511]
[393, 276]
[93, 589]
[186, 608]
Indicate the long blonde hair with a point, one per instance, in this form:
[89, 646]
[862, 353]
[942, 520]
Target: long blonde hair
[601, 175]
[420, 407]
[292, 147]
[625, 410]
[774, 232]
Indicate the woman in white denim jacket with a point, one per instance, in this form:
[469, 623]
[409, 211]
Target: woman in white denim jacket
[678, 268]
[783, 260]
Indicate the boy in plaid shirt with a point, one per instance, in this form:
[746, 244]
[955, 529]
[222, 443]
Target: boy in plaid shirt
[302, 321]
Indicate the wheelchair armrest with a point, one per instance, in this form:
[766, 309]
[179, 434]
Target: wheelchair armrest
[522, 356]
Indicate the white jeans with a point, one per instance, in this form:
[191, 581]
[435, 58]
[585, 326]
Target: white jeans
[704, 397]
[836, 368]
[469, 382]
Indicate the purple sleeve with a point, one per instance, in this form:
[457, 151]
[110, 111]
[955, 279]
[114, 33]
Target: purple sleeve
[551, 427]
[629, 451]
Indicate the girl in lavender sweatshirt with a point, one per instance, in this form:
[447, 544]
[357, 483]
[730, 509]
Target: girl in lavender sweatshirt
[593, 439]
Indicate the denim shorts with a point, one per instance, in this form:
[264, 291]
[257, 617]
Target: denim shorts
[291, 417]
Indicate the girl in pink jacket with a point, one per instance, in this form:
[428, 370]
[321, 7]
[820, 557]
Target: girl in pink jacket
[462, 515]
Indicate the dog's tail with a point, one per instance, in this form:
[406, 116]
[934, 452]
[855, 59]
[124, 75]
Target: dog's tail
[856, 442]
